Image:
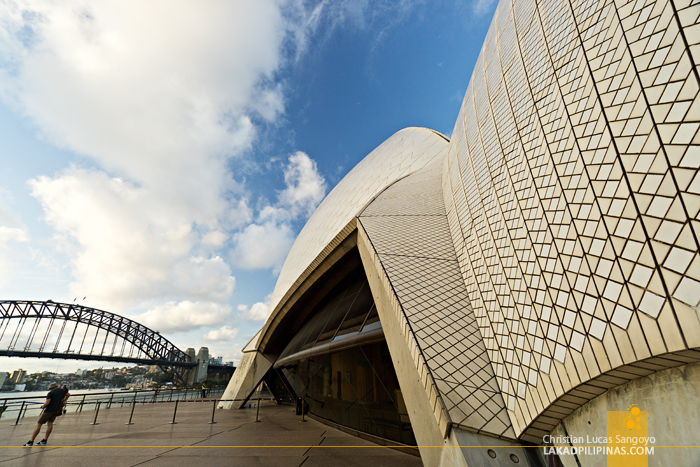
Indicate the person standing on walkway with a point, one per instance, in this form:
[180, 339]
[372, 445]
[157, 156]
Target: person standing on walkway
[52, 408]
[204, 390]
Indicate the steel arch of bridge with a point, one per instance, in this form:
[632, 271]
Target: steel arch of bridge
[158, 350]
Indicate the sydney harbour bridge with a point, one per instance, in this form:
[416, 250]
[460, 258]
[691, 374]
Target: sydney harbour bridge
[48, 329]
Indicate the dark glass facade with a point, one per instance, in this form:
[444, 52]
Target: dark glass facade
[347, 311]
[355, 387]
[339, 363]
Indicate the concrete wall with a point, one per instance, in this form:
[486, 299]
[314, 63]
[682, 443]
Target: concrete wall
[191, 372]
[672, 398]
[245, 379]
[203, 359]
[470, 449]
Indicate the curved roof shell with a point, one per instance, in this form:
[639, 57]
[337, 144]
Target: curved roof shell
[403, 153]
[568, 227]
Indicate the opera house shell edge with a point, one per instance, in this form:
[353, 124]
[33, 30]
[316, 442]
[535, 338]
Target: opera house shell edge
[522, 278]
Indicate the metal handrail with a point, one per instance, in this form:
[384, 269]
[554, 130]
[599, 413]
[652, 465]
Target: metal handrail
[10, 404]
[130, 391]
[22, 410]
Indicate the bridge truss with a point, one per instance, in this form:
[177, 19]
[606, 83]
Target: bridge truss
[69, 331]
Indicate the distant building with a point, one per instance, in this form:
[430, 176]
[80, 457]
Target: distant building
[203, 359]
[188, 374]
[3, 377]
[110, 375]
[198, 373]
[18, 376]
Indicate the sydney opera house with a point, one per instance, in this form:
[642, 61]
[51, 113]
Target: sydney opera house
[519, 280]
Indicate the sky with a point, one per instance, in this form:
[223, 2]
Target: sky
[158, 159]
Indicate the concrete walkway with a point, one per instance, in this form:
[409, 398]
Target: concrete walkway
[280, 439]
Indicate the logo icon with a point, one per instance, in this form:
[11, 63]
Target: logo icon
[628, 438]
[633, 420]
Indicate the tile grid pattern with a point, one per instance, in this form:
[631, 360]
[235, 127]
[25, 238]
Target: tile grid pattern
[572, 192]
[403, 153]
[407, 228]
[437, 404]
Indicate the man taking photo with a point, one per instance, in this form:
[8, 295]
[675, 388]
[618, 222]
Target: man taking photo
[52, 408]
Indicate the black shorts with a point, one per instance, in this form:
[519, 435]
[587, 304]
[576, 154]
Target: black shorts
[48, 417]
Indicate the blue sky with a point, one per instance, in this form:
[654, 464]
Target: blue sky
[160, 160]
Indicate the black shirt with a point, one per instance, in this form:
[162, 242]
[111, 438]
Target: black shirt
[55, 396]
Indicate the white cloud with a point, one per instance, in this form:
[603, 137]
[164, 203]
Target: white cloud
[215, 238]
[231, 352]
[262, 246]
[130, 245]
[12, 234]
[305, 187]
[258, 312]
[265, 244]
[223, 342]
[184, 316]
[481, 7]
[239, 214]
[160, 95]
[147, 89]
[9, 237]
[316, 21]
[224, 333]
[11, 227]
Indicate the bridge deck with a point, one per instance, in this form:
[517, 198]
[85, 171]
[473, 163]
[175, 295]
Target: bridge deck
[151, 442]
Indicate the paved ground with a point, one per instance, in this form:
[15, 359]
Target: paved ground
[279, 440]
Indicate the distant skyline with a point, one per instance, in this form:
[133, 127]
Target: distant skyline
[159, 159]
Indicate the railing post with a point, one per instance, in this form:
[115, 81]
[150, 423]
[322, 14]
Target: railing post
[257, 412]
[174, 414]
[170, 399]
[213, 411]
[80, 409]
[133, 406]
[19, 414]
[109, 404]
[97, 411]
